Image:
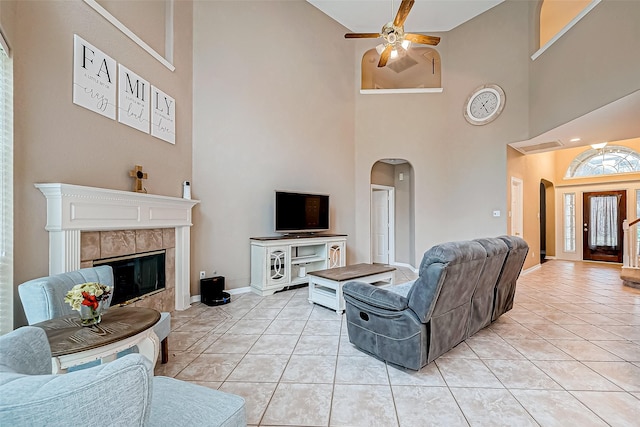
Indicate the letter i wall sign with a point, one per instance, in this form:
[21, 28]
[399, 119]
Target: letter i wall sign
[133, 99]
[140, 105]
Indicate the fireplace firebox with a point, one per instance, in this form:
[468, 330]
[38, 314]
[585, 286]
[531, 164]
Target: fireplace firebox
[136, 275]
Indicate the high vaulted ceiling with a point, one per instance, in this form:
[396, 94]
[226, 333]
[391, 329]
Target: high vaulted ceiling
[366, 16]
[615, 121]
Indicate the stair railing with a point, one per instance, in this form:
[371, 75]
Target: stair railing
[631, 256]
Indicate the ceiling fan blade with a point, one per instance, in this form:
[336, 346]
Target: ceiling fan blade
[403, 12]
[384, 56]
[419, 38]
[362, 35]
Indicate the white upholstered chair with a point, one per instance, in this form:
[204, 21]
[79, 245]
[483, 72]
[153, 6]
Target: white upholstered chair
[43, 299]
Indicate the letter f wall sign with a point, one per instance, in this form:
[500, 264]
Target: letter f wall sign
[94, 78]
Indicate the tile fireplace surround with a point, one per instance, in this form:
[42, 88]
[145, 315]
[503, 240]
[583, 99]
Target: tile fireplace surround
[103, 245]
[73, 210]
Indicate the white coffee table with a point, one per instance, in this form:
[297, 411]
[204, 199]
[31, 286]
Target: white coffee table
[325, 286]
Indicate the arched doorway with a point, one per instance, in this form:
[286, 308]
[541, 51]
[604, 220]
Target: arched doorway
[392, 212]
[547, 220]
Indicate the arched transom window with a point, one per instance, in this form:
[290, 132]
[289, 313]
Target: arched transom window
[604, 161]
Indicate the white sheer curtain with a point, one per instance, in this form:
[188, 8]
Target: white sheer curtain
[603, 222]
[6, 182]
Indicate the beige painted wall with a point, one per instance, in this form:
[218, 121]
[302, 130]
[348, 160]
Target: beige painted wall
[459, 169]
[273, 109]
[589, 67]
[404, 215]
[8, 19]
[57, 141]
[146, 18]
[531, 170]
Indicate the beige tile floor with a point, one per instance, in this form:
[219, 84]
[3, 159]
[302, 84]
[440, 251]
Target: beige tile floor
[567, 354]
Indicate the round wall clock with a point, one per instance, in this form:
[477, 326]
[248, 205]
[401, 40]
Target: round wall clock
[484, 105]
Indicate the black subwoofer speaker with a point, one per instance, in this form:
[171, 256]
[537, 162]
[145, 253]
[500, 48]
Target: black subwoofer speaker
[212, 291]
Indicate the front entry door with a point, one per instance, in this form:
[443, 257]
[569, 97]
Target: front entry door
[603, 213]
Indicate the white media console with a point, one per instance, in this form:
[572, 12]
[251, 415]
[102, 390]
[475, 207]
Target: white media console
[278, 262]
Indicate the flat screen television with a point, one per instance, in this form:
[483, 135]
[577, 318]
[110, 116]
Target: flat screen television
[301, 212]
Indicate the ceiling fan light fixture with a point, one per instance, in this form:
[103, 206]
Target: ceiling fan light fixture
[396, 41]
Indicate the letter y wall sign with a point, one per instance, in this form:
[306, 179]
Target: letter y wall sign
[140, 105]
[163, 116]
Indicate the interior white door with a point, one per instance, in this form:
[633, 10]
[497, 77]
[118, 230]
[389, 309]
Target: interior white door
[380, 226]
[516, 207]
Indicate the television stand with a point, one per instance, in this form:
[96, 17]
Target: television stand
[282, 261]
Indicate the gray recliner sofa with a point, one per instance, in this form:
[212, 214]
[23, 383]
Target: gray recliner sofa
[453, 297]
[506, 286]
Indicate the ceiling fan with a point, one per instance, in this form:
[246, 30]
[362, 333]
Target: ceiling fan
[394, 35]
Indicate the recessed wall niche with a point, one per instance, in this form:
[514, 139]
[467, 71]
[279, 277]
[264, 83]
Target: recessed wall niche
[416, 68]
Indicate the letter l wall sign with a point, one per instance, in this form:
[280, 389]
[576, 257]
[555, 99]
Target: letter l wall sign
[163, 115]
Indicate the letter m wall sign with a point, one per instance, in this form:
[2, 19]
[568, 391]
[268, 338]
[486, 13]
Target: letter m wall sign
[134, 99]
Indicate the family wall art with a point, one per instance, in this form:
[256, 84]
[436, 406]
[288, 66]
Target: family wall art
[139, 104]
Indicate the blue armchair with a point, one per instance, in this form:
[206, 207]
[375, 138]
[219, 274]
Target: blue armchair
[43, 299]
[121, 393]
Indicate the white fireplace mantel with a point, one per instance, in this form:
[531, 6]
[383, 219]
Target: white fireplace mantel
[75, 208]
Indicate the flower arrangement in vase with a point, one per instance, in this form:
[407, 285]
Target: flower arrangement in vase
[89, 300]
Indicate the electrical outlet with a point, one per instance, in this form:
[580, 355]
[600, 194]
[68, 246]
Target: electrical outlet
[202, 274]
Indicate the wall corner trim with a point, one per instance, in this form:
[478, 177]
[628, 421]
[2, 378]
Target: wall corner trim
[566, 28]
[126, 31]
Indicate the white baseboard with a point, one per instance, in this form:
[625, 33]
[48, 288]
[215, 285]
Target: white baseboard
[530, 269]
[235, 291]
[405, 265]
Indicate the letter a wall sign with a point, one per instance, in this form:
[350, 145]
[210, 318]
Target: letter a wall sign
[140, 104]
[94, 78]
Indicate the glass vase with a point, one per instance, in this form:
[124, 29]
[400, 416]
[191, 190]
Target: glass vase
[89, 316]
